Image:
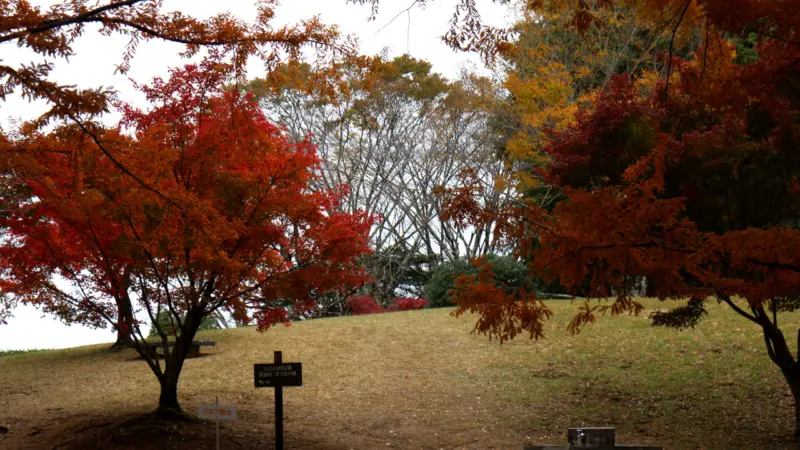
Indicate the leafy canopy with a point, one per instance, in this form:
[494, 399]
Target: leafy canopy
[692, 182]
[219, 214]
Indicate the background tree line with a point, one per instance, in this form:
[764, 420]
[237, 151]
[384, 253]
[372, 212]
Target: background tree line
[395, 133]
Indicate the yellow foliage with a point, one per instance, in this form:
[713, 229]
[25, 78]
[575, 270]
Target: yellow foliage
[554, 70]
[647, 81]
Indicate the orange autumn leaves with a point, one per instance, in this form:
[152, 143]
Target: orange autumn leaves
[690, 183]
[51, 32]
[502, 313]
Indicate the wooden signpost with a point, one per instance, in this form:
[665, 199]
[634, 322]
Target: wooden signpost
[278, 375]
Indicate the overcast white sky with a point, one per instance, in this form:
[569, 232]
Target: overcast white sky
[96, 56]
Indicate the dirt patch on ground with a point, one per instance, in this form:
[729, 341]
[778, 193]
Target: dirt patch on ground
[141, 432]
[96, 432]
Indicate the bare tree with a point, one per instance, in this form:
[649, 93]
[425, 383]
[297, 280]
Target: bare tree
[396, 134]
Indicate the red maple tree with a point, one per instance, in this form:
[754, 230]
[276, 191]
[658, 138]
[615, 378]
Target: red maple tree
[50, 33]
[212, 210]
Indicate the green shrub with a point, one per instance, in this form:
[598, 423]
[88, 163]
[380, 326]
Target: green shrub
[508, 271]
[20, 352]
[442, 280]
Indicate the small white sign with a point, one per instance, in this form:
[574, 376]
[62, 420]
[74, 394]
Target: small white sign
[217, 412]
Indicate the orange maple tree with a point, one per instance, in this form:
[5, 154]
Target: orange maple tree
[693, 183]
[215, 213]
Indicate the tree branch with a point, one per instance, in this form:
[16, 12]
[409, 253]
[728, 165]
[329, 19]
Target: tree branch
[396, 16]
[743, 313]
[672, 46]
[80, 18]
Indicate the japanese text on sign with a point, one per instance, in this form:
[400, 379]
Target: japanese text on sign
[220, 412]
[274, 375]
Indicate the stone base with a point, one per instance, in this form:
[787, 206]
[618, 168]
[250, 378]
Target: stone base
[586, 438]
[568, 447]
[592, 437]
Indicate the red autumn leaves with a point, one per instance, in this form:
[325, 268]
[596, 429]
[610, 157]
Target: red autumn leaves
[198, 202]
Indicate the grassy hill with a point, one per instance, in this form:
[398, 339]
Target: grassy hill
[420, 380]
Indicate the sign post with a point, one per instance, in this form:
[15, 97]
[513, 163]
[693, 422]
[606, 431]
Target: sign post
[277, 376]
[217, 412]
[278, 408]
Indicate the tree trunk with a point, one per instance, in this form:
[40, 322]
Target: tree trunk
[791, 373]
[777, 348]
[651, 289]
[125, 317]
[168, 406]
[124, 322]
[793, 378]
[779, 353]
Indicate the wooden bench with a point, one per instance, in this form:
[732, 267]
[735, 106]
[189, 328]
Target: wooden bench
[194, 347]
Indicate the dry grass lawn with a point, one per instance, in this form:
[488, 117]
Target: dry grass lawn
[420, 380]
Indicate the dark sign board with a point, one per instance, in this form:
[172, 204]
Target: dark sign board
[277, 375]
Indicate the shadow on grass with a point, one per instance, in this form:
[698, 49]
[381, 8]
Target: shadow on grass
[146, 431]
[139, 431]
